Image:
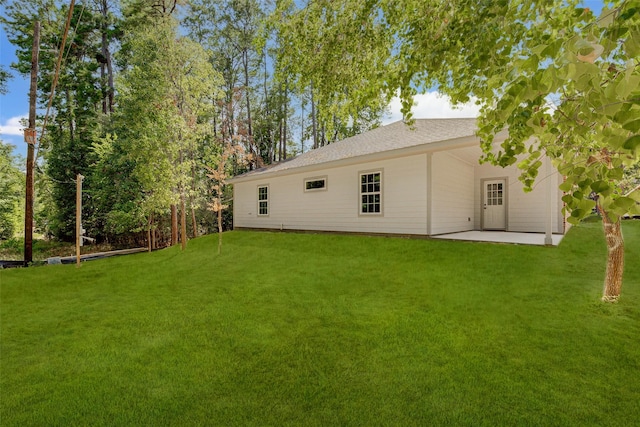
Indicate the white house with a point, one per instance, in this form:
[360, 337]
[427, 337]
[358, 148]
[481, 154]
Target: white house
[394, 179]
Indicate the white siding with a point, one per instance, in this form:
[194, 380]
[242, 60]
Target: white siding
[456, 196]
[452, 194]
[526, 212]
[337, 208]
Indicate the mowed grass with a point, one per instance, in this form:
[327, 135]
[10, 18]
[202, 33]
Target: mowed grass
[318, 330]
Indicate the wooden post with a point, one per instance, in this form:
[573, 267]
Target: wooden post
[31, 141]
[79, 179]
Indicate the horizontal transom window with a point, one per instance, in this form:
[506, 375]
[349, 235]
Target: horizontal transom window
[314, 184]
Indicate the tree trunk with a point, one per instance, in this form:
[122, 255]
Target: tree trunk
[219, 230]
[153, 234]
[149, 244]
[615, 259]
[284, 119]
[183, 223]
[314, 123]
[106, 74]
[174, 225]
[252, 148]
[194, 223]
[280, 141]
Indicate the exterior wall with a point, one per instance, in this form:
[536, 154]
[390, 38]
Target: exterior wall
[404, 200]
[452, 194]
[456, 197]
[526, 212]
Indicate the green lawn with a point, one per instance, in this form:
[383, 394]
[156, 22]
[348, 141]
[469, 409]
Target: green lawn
[321, 330]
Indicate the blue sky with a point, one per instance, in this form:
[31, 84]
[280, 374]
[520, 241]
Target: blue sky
[15, 104]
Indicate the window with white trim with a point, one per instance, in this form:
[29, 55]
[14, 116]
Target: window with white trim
[371, 193]
[263, 200]
[315, 184]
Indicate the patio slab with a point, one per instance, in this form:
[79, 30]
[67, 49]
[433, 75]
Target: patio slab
[501, 237]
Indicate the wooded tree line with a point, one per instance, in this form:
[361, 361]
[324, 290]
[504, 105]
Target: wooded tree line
[148, 95]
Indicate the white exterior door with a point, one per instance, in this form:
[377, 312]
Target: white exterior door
[494, 205]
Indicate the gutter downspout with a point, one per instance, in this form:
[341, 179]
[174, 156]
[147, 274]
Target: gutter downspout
[429, 193]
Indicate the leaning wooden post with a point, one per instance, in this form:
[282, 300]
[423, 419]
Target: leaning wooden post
[79, 179]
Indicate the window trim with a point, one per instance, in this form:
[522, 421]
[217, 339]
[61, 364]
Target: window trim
[258, 200]
[315, 178]
[360, 193]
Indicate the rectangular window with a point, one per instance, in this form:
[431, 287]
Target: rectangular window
[263, 200]
[494, 194]
[371, 193]
[314, 184]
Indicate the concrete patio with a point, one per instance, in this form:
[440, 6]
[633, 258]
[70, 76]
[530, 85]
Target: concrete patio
[501, 237]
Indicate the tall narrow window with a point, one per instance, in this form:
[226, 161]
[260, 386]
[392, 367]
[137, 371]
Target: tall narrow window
[263, 200]
[371, 193]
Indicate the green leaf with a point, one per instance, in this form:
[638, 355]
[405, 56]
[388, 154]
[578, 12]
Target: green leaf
[572, 71]
[577, 213]
[587, 205]
[633, 125]
[632, 143]
[615, 173]
[573, 220]
[632, 44]
[600, 186]
[582, 44]
[606, 17]
[566, 186]
[627, 86]
[624, 203]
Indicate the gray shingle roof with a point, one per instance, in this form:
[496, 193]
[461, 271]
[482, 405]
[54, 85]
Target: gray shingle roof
[394, 136]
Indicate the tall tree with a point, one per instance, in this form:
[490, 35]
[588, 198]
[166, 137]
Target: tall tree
[106, 21]
[331, 51]
[11, 191]
[229, 29]
[73, 120]
[166, 97]
[219, 176]
[550, 72]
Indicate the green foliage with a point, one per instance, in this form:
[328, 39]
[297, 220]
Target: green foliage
[74, 120]
[301, 329]
[339, 52]
[166, 98]
[13, 249]
[12, 183]
[5, 76]
[549, 71]
[577, 96]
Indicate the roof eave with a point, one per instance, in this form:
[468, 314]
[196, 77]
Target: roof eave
[466, 141]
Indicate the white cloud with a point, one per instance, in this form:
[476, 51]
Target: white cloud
[13, 126]
[432, 105]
